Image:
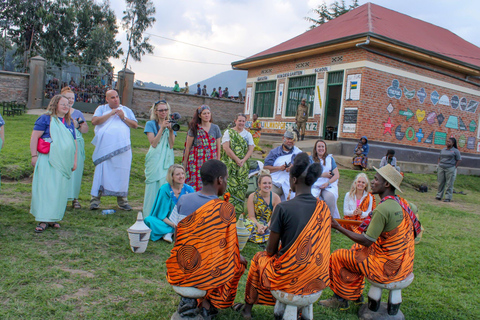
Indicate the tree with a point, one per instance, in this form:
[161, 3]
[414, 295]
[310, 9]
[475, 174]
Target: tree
[326, 13]
[138, 17]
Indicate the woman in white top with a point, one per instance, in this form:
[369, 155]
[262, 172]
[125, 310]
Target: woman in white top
[326, 187]
[359, 202]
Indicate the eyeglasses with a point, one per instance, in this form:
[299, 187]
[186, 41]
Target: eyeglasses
[161, 101]
[162, 110]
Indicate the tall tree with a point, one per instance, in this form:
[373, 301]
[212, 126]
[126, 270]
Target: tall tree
[137, 18]
[326, 13]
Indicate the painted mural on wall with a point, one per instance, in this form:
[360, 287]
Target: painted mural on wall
[425, 121]
[280, 125]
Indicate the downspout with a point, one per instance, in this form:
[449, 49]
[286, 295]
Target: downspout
[367, 42]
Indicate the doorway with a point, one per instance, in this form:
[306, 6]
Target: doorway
[334, 100]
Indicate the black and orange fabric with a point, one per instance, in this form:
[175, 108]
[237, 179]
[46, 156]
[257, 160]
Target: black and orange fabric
[364, 207]
[302, 270]
[206, 254]
[387, 260]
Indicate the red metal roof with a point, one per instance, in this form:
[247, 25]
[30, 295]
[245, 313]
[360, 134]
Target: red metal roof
[376, 20]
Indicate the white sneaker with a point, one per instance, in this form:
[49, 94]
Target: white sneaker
[168, 237]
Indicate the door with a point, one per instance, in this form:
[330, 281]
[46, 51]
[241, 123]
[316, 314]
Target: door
[332, 108]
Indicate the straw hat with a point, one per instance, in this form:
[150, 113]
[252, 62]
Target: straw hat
[391, 174]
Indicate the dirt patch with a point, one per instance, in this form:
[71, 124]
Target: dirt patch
[79, 272]
[82, 292]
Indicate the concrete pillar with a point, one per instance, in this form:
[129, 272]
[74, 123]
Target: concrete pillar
[36, 83]
[125, 86]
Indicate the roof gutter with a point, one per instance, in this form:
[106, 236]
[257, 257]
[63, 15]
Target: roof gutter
[366, 43]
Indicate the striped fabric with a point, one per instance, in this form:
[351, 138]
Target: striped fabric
[364, 207]
[302, 270]
[206, 254]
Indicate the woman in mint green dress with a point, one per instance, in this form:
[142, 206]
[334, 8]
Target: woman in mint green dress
[54, 155]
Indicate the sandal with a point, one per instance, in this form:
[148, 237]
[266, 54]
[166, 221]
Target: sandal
[76, 204]
[39, 228]
[54, 225]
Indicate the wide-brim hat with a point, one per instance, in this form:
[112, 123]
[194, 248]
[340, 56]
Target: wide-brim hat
[391, 174]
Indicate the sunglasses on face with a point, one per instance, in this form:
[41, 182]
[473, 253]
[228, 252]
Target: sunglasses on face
[162, 110]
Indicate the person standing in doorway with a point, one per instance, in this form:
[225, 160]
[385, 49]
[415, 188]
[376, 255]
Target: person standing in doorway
[302, 117]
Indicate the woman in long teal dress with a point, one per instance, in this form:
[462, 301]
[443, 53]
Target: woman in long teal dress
[260, 205]
[160, 155]
[167, 197]
[53, 162]
[237, 146]
[81, 127]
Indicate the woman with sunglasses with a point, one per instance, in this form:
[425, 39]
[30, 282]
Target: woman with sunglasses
[160, 155]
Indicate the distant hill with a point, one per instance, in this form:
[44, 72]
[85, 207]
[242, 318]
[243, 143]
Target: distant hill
[235, 80]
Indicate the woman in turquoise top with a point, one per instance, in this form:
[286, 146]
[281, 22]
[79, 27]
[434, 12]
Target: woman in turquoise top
[167, 197]
[160, 155]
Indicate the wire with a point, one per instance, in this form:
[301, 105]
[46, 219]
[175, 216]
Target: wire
[194, 45]
[214, 63]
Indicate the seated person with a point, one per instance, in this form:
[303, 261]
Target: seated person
[360, 158]
[300, 264]
[278, 162]
[260, 205]
[167, 197]
[386, 250]
[206, 254]
[390, 159]
[359, 202]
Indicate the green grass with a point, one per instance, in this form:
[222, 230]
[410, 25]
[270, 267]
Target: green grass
[86, 269]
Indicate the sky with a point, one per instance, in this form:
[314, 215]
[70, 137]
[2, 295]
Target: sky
[243, 28]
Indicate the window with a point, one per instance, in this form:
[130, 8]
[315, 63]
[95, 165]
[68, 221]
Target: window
[264, 102]
[300, 88]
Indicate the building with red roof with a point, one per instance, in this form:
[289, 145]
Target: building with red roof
[374, 72]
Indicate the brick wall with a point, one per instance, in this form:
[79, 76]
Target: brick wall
[13, 86]
[223, 110]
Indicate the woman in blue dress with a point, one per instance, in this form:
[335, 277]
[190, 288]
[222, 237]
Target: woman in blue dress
[166, 199]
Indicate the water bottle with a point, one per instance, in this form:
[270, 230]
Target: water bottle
[105, 212]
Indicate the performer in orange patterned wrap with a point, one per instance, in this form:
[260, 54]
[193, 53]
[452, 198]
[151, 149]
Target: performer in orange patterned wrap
[300, 265]
[388, 244]
[206, 254]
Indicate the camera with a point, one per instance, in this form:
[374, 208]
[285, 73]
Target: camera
[174, 117]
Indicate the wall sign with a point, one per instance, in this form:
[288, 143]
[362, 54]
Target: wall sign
[462, 141]
[388, 126]
[409, 94]
[280, 98]
[353, 87]
[422, 95]
[248, 98]
[471, 143]
[463, 104]
[419, 135]
[322, 69]
[408, 113]
[394, 90]
[263, 78]
[434, 97]
[420, 115]
[472, 106]
[319, 94]
[440, 138]
[461, 124]
[279, 125]
[290, 74]
[350, 116]
[398, 133]
[472, 126]
[410, 133]
[455, 102]
[431, 117]
[452, 122]
[390, 108]
[440, 119]
[444, 100]
[478, 147]
[429, 138]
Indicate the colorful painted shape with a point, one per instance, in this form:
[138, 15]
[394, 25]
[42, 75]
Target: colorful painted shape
[410, 133]
[462, 140]
[420, 115]
[409, 94]
[455, 102]
[419, 135]
[473, 126]
[440, 119]
[461, 124]
[429, 138]
[390, 108]
[398, 133]
[471, 143]
[463, 104]
[394, 90]
[472, 106]
[444, 100]
[452, 122]
[440, 138]
[422, 95]
[434, 97]
[408, 113]
[431, 117]
[388, 126]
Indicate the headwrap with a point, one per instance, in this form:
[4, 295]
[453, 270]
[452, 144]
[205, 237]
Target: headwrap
[202, 107]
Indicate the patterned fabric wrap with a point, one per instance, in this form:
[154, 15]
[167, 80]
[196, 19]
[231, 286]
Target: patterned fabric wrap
[262, 214]
[417, 227]
[302, 270]
[206, 149]
[206, 254]
[389, 259]
[360, 160]
[256, 134]
[237, 176]
[364, 207]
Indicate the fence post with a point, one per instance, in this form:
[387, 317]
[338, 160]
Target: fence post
[125, 86]
[36, 82]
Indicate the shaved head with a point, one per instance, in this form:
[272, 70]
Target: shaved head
[111, 96]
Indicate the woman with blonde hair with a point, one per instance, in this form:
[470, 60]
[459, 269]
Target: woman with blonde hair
[260, 205]
[160, 155]
[81, 127]
[359, 201]
[53, 162]
[159, 217]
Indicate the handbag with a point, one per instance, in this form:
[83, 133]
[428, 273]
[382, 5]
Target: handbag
[43, 146]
